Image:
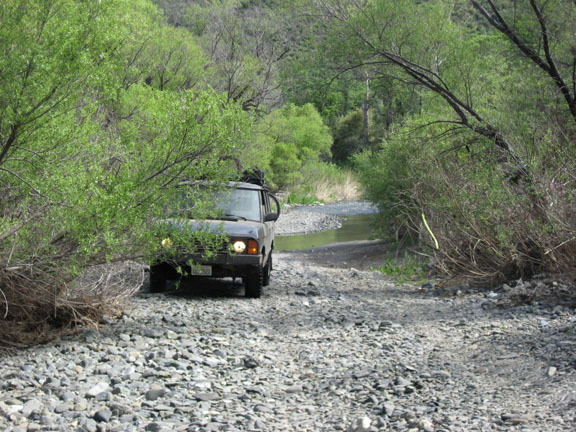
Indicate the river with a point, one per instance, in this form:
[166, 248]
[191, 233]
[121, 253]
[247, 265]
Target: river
[357, 223]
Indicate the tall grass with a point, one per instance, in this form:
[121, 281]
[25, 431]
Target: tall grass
[324, 182]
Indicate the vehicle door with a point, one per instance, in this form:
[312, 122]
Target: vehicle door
[270, 205]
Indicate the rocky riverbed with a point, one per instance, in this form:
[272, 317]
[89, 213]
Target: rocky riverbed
[297, 219]
[328, 347]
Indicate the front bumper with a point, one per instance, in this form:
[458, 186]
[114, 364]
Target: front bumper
[224, 259]
[222, 264]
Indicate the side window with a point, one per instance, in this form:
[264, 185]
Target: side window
[267, 203]
[264, 202]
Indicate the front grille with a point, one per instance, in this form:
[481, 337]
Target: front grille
[198, 247]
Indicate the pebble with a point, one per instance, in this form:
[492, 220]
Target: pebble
[402, 382]
[155, 392]
[515, 419]
[97, 389]
[389, 408]
[294, 389]
[103, 415]
[365, 354]
[31, 406]
[362, 373]
[204, 397]
[360, 425]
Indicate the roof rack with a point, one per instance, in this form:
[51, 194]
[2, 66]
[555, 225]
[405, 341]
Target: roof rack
[254, 176]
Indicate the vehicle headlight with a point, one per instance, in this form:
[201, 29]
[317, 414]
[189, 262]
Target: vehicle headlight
[239, 246]
[167, 243]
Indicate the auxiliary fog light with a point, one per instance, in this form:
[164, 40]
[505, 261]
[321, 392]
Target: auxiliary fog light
[239, 246]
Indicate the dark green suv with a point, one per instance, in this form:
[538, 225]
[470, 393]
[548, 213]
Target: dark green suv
[246, 215]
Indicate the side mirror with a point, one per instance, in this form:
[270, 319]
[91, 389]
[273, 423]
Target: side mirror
[276, 204]
[271, 217]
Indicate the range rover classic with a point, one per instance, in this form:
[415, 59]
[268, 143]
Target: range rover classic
[244, 216]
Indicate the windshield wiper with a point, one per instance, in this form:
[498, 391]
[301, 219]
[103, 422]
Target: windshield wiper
[233, 217]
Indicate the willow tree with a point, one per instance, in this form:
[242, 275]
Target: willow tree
[543, 33]
[87, 163]
[494, 132]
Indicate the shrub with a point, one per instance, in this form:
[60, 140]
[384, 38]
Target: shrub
[88, 162]
[490, 225]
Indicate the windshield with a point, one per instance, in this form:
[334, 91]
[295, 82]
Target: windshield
[239, 203]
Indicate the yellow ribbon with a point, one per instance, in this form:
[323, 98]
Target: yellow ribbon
[430, 231]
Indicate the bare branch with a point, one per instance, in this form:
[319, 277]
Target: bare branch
[547, 65]
[18, 227]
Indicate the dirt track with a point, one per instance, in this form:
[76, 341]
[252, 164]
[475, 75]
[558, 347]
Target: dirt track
[330, 346]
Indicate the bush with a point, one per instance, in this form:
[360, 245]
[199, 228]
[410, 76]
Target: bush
[388, 177]
[490, 225]
[88, 162]
[285, 141]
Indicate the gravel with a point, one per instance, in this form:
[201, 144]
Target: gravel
[297, 219]
[307, 222]
[324, 349]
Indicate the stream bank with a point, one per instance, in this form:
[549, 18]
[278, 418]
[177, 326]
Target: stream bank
[306, 219]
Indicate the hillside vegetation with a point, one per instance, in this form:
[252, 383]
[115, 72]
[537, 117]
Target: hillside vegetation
[459, 114]
[457, 117]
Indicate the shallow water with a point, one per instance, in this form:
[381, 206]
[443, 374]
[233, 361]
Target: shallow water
[354, 227]
[342, 208]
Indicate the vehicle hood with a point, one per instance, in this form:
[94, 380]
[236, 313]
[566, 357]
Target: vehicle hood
[239, 228]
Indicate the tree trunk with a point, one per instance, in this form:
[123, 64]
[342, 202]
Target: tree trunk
[365, 113]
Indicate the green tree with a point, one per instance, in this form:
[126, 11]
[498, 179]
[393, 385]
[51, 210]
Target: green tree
[243, 43]
[166, 58]
[285, 140]
[348, 136]
[88, 163]
[480, 151]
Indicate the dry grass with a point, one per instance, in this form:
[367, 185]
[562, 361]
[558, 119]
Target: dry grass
[37, 306]
[343, 189]
[494, 233]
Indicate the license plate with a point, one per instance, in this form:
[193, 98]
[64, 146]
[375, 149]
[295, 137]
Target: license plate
[201, 271]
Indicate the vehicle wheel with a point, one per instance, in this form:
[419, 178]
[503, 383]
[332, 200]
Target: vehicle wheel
[267, 272]
[157, 280]
[254, 282]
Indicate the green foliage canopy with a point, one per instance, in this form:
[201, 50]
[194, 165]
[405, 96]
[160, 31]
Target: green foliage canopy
[287, 139]
[88, 160]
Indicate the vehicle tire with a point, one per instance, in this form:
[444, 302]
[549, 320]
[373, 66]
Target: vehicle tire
[254, 282]
[267, 272]
[157, 280]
